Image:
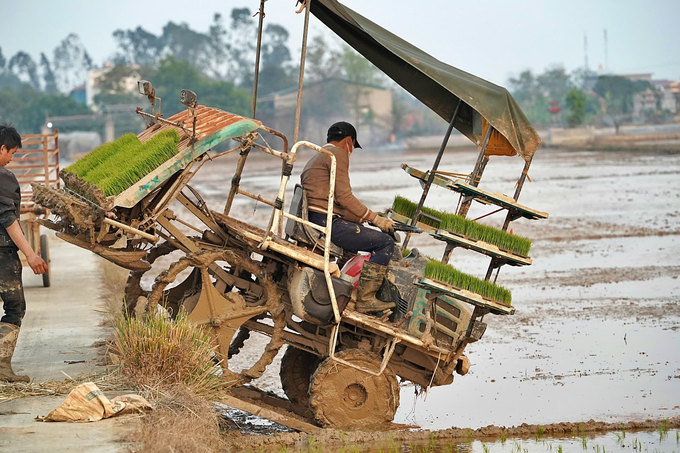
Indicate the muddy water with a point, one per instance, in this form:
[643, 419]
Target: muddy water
[597, 328]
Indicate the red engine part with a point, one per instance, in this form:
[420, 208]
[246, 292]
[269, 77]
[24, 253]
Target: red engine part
[353, 268]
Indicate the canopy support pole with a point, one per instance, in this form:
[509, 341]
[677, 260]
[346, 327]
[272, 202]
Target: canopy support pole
[435, 166]
[477, 172]
[257, 58]
[236, 179]
[509, 217]
[303, 55]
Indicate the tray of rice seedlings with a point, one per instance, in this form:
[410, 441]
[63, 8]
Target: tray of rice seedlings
[449, 280]
[469, 232]
[125, 168]
[112, 168]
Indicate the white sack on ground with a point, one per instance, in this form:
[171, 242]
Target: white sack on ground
[86, 403]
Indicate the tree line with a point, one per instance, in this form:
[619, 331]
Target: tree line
[583, 95]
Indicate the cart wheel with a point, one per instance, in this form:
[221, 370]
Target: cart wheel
[297, 367]
[345, 398]
[45, 254]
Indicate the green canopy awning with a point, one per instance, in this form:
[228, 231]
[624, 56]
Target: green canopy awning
[436, 84]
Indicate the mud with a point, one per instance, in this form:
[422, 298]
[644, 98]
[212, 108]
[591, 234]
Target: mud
[334, 439]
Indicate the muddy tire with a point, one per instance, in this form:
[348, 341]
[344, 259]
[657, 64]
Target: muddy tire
[297, 367]
[345, 398]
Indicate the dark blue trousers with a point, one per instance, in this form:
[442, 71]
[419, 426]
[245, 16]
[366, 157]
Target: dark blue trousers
[355, 238]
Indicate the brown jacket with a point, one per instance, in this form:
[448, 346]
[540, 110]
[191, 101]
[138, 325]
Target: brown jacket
[316, 182]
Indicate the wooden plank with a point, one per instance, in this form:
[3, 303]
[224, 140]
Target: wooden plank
[468, 243]
[269, 414]
[467, 296]
[496, 198]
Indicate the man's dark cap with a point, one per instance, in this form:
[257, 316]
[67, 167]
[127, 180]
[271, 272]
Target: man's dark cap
[340, 130]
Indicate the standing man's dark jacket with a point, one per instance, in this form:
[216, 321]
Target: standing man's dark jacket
[10, 205]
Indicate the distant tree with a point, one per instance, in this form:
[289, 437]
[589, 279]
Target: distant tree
[554, 83]
[138, 46]
[113, 87]
[2, 61]
[71, 63]
[576, 107]
[21, 64]
[27, 107]
[186, 44]
[524, 87]
[275, 70]
[174, 75]
[242, 47]
[48, 75]
[619, 92]
[322, 62]
[583, 78]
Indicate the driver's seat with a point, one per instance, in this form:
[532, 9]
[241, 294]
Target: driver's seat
[302, 233]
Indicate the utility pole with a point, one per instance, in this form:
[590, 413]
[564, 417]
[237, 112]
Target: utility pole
[585, 49]
[606, 53]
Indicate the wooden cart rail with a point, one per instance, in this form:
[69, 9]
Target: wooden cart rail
[36, 161]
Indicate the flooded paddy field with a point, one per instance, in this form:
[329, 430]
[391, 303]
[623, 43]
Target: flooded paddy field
[597, 327]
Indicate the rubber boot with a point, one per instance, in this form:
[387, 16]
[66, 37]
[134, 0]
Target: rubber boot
[9, 333]
[372, 276]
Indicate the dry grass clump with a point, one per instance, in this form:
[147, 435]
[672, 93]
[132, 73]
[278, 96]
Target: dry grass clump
[468, 228]
[110, 380]
[116, 166]
[180, 422]
[452, 276]
[157, 352]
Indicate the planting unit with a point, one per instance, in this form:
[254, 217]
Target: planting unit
[288, 281]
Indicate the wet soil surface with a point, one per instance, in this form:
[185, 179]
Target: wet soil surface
[597, 328]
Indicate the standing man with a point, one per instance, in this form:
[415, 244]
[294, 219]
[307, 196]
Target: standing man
[12, 239]
[349, 214]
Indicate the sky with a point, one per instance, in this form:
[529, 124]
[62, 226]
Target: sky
[493, 39]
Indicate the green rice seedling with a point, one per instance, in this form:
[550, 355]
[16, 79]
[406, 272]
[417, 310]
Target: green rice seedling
[584, 442]
[485, 447]
[94, 158]
[504, 437]
[452, 276]
[465, 227]
[559, 449]
[126, 168]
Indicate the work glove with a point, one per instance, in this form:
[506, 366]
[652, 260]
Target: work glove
[385, 224]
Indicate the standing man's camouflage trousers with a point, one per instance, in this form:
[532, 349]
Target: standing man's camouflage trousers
[11, 287]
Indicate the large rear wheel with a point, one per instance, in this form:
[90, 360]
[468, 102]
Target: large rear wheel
[346, 398]
[297, 367]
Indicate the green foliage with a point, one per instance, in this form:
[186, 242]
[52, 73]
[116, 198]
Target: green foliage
[619, 92]
[449, 275]
[172, 76]
[576, 107]
[27, 108]
[465, 227]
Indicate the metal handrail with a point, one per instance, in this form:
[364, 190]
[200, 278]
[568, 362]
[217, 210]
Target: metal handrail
[279, 213]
